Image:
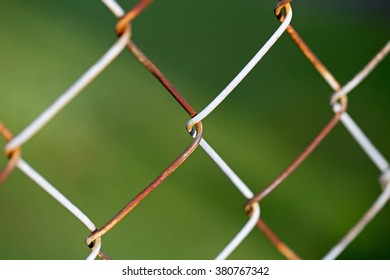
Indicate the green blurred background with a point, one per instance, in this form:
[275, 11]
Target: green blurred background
[124, 129]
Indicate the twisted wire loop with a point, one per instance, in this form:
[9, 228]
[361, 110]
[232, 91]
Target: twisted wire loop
[339, 102]
[244, 72]
[126, 19]
[282, 247]
[361, 75]
[194, 126]
[240, 185]
[12, 148]
[124, 23]
[65, 202]
[145, 192]
[152, 68]
[384, 179]
[13, 156]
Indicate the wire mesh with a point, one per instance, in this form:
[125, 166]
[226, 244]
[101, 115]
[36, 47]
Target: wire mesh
[254, 195]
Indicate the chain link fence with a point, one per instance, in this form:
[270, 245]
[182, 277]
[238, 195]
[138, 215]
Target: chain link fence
[115, 149]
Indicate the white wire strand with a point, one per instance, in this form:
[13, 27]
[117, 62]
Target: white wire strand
[382, 164]
[362, 74]
[377, 158]
[114, 7]
[365, 143]
[95, 250]
[244, 232]
[355, 231]
[241, 186]
[368, 147]
[71, 93]
[243, 73]
[54, 109]
[114, 51]
[245, 191]
[50, 189]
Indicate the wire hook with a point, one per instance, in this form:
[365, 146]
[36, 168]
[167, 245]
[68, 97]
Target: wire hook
[284, 4]
[124, 22]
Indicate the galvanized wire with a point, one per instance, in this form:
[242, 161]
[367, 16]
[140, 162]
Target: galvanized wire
[194, 127]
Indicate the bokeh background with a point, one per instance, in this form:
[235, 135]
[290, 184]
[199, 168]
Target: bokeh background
[124, 129]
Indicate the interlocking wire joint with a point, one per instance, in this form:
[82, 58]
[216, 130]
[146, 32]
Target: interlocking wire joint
[194, 126]
[13, 155]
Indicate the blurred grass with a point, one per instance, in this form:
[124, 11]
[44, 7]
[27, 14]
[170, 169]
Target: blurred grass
[124, 129]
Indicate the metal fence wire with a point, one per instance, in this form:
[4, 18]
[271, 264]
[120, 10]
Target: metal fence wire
[253, 195]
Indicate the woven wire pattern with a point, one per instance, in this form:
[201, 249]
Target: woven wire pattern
[253, 193]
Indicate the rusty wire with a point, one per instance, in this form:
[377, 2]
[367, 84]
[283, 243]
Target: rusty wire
[284, 4]
[149, 65]
[295, 164]
[278, 243]
[151, 187]
[13, 155]
[282, 247]
[338, 97]
[123, 23]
